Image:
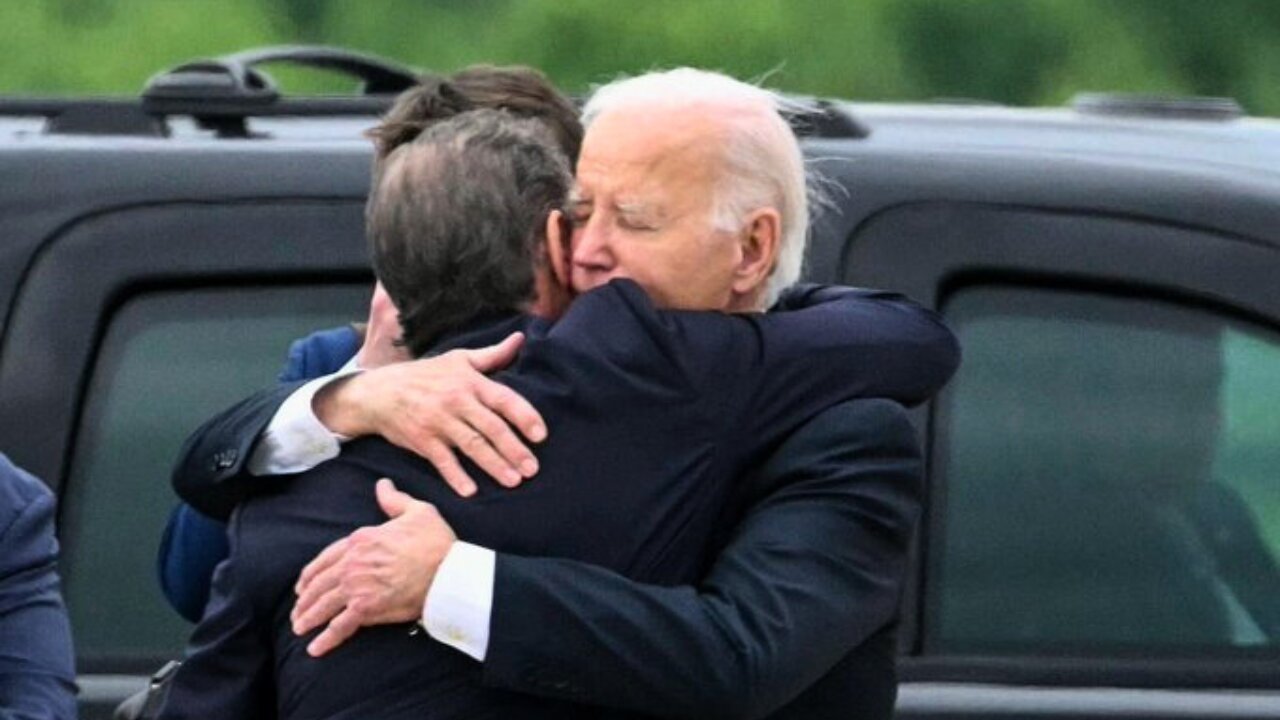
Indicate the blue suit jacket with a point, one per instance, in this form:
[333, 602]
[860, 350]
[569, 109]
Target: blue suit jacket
[37, 673]
[653, 414]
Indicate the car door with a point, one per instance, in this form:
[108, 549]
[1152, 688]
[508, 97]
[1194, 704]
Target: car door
[1103, 531]
[132, 324]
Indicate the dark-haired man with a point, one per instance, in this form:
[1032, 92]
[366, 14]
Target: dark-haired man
[194, 543]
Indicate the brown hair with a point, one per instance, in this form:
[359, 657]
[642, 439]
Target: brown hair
[521, 91]
[456, 220]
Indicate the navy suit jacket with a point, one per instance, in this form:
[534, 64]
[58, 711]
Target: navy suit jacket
[652, 414]
[37, 674]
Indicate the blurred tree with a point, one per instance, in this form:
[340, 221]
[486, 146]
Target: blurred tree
[980, 49]
[1230, 49]
[83, 13]
[120, 43]
[304, 18]
[1024, 52]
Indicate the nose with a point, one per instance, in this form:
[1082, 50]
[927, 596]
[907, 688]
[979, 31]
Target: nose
[591, 246]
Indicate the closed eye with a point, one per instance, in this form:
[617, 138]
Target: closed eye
[579, 212]
[637, 224]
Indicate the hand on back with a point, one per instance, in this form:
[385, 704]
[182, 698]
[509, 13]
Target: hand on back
[436, 406]
[375, 576]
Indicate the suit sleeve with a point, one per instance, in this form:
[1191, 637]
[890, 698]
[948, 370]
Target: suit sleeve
[826, 344]
[895, 348]
[823, 345]
[814, 570]
[210, 474]
[37, 675]
[211, 471]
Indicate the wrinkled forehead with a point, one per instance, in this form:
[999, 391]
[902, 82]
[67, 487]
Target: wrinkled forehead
[643, 152]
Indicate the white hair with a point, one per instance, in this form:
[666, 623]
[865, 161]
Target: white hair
[763, 163]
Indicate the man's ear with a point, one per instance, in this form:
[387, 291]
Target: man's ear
[759, 240]
[557, 246]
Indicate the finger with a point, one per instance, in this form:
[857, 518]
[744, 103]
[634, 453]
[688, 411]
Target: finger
[494, 446]
[392, 501]
[322, 584]
[496, 357]
[324, 609]
[342, 627]
[512, 407]
[472, 444]
[445, 463]
[322, 562]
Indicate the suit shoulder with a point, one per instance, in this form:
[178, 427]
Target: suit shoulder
[879, 412]
[20, 492]
[26, 522]
[609, 300]
[869, 418]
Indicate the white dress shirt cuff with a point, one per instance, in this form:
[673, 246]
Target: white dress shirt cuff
[460, 601]
[295, 440]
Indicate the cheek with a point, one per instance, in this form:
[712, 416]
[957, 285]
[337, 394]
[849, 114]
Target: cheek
[575, 239]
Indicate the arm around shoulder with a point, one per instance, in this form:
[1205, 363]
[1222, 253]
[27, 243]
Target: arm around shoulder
[868, 343]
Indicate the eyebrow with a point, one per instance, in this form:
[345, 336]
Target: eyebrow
[636, 208]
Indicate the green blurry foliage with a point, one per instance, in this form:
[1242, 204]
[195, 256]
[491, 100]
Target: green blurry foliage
[1013, 51]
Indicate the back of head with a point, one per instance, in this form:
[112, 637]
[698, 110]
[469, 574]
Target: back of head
[762, 162]
[521, 91]
[456, 220]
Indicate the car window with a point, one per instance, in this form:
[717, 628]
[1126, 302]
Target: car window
[167, 362]
[1107, 479]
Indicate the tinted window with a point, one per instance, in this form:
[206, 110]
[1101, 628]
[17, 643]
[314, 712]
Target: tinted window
[168, 361]
[1109, 478]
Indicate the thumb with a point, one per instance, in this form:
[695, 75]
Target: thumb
[392, 501]
[496, 357]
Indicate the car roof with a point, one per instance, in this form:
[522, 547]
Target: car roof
[1246, 144]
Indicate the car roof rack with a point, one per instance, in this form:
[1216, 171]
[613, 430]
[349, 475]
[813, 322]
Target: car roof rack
[221, 94]
[822, 118]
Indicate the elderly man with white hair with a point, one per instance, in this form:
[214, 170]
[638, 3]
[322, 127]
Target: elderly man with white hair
[691, 185]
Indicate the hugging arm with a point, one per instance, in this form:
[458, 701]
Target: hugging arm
[799, 362]
[211, 474]
[825, 344]
[216, 466]
[430, 406]
[822, 345]
[812, 577]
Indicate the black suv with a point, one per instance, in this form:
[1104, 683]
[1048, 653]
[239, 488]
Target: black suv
[1103, 528]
